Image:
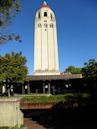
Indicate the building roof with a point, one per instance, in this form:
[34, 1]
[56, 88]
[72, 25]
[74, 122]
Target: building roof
[44, 5]
[53, 77]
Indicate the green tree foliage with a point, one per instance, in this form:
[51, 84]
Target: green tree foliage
[90, 69]
[12, 68]
[8, 10]
[72, 70]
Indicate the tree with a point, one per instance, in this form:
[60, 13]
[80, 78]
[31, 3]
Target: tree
[89, 72]
[90, 69]
[12, 69]
[73, 70]
[8, 10]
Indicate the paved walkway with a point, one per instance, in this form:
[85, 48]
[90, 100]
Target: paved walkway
[32, 124]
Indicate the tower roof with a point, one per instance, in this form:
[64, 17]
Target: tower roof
[44, 5]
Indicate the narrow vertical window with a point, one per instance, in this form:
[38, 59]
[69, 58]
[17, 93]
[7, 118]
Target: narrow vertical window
[51, 17]
[51, 25]
[45, 14]
[39, 15]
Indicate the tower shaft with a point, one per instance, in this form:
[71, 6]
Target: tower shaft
[45, 44]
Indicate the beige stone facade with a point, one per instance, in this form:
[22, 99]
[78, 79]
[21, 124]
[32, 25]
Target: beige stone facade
[10, 114]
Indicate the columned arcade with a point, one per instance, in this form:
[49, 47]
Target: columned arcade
[51, 84]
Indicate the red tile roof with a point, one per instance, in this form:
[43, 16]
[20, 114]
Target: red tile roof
[44, 6]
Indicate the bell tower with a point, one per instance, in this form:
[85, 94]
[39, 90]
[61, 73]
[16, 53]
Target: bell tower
[45, 42]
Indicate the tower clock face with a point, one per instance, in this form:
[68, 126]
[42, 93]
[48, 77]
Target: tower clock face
[39, 25]
[45, 25]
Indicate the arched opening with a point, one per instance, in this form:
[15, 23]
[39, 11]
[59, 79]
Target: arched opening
[45, 14]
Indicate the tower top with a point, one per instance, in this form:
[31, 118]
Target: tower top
[44, 5]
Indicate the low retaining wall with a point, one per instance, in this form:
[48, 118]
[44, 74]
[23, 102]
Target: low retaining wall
[28, 105]
[36, 105]
[10, 114]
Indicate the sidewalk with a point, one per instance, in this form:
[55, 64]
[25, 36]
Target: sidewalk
[32, 124]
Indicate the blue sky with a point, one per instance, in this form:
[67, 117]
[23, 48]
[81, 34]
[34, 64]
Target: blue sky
[76, 26]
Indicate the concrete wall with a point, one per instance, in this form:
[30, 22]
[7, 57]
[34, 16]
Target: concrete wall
[10, 114]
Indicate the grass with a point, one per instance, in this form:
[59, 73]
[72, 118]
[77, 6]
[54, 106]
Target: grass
[10, 128]
[43, 99]
[16, 127]
[54, 98]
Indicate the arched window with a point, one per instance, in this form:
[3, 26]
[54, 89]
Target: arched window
[45, 14]
[39, 15]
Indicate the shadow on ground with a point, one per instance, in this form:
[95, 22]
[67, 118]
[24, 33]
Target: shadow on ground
[66, 117]
[75, 114]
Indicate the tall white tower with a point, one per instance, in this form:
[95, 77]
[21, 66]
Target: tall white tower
[45, 44]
